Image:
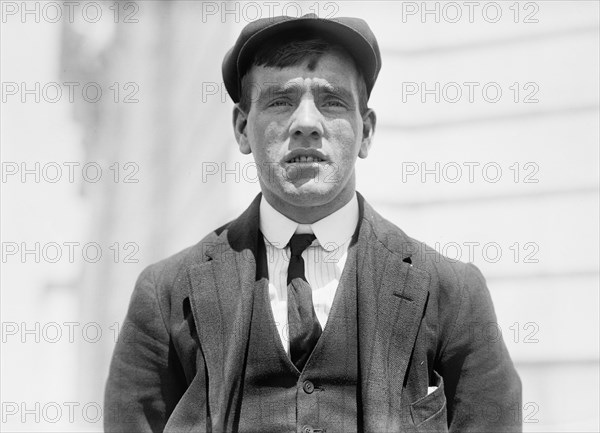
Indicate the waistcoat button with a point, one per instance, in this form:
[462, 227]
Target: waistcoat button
[308, 387]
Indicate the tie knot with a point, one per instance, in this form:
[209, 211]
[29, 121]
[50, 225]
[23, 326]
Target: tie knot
[298, 243]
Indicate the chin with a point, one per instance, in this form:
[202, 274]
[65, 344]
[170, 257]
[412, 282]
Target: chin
[310, 194]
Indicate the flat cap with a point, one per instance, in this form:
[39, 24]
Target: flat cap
[353, 34]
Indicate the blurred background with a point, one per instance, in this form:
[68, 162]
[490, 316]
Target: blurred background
[116, 134]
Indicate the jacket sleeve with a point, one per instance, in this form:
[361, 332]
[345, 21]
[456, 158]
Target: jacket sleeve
[137, 398]
[482, 387]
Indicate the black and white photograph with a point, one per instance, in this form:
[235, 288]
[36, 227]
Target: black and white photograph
[300, 216]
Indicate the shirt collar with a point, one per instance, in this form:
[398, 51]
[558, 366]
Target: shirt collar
[332, 231]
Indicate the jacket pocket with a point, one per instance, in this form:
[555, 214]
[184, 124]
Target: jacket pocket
[429, 413]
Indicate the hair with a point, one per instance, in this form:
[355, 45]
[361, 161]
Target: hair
[292, 52]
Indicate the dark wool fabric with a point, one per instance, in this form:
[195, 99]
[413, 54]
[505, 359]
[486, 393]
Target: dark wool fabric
[180, 362]
[323, 396]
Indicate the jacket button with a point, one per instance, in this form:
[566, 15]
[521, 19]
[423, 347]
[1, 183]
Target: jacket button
[308, 387]
[307, 429]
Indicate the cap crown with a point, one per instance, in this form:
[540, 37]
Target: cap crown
[353, 34]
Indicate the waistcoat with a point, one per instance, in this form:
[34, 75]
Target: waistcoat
[323, 397]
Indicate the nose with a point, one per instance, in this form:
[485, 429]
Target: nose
[306, 121]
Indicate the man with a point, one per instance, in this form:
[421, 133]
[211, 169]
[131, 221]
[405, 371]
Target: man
[309, 312]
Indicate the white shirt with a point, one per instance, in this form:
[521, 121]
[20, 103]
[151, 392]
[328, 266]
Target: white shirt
[324, 259]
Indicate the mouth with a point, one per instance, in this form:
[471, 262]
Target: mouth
[307, 159]
[305, 156]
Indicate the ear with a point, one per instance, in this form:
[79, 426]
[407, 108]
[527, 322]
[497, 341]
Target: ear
[240, 121]
[369, 121]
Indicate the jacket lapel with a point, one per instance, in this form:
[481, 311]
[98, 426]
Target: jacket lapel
[391, 299]
[222, 293]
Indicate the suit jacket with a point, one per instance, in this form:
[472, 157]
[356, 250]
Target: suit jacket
[423, 321]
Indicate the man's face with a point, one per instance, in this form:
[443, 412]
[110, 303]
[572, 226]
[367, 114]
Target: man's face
[305, 131]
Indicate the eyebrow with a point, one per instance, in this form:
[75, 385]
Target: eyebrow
[341, 92]
[274, 90]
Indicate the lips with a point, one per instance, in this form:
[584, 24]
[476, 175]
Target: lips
[305, 159]
[308, 156]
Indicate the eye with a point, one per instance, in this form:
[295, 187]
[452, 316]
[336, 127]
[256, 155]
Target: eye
[334, 103]
[279, 103]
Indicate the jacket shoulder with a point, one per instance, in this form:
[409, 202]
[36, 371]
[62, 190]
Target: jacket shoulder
[415, 252]
[450, 278]
[166, 272]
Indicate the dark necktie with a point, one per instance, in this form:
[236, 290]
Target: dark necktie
[304, 327]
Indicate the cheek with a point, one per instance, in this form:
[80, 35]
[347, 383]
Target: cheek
[345, 136]
[265, 130]
[267, 140]
[274, 133]
[348, 128]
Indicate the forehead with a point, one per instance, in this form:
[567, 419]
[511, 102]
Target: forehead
[332, 69]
